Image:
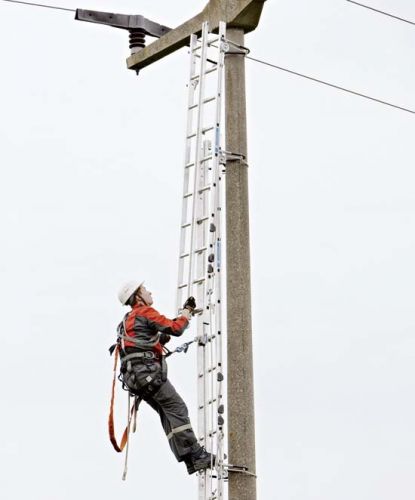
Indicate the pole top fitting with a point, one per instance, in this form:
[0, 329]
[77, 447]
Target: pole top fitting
[137, 25]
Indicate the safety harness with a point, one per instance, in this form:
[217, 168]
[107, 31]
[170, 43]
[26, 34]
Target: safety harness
[126, 360]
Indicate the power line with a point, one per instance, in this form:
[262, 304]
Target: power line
[296, 73]
[328, 84]
[382, 12]
[40, 5]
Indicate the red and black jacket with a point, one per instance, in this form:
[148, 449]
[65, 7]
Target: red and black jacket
[143, 324]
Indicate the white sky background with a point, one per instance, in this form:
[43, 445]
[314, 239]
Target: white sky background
[91, 176]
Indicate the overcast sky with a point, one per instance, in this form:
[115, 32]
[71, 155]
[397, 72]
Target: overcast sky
[91, 174]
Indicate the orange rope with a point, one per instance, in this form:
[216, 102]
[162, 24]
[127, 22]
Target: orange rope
[119, 448]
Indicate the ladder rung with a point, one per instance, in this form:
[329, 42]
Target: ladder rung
[199, 280]
[187, 195]
[202, 219]
[183, 255]
[210, 70]
[207, 59]
[200, 250]
[204, 188]
[204, 130]
[205, 101]
[209, 403]
[212, 369]
[211, 42]
[188, 224]
[192, 163]
[208, 372]
[183, 285]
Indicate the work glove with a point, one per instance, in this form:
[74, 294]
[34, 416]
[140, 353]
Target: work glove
[164, 338]
[186, 313]
[190, 304]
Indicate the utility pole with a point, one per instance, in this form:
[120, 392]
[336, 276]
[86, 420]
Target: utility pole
[241, 418]
[241, 16]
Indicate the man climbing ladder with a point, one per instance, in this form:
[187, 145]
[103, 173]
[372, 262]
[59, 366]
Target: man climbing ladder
[141, 337]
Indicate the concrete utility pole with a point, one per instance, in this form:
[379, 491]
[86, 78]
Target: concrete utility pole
[241, 16]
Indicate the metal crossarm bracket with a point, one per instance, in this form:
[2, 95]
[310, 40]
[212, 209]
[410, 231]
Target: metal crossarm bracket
[240, 14]
[122, 21]
[138, 26]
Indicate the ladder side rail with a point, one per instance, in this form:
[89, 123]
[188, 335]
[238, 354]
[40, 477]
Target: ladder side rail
[212, 386]
[201, 355]
[205, 478]
[201, 411]
[197, 151]
[218, 266]
[215, 486]
[206, 208]
[187, 160]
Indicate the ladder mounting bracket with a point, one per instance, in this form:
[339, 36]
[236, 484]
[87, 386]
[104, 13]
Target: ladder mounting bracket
[227, 156]
[232, 48]
[241, 469]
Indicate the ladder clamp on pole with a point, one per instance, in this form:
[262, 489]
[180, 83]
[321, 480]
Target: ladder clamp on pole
[227, 156]
[240, 469]
[232, 48]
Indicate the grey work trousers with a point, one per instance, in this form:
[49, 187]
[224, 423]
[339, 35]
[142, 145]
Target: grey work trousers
[160, 394]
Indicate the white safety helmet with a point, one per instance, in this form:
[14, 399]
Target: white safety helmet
[127, 290]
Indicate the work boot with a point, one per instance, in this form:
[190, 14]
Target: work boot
[190, 467]
[200, 460]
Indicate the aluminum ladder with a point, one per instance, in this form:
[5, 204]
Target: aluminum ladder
[200, 256]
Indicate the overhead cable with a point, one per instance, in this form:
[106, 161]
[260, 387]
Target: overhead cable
[328, 84]
[382, 12]
[292, 72]
[40, 5]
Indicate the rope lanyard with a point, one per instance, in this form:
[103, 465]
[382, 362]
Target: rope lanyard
[118, 447]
